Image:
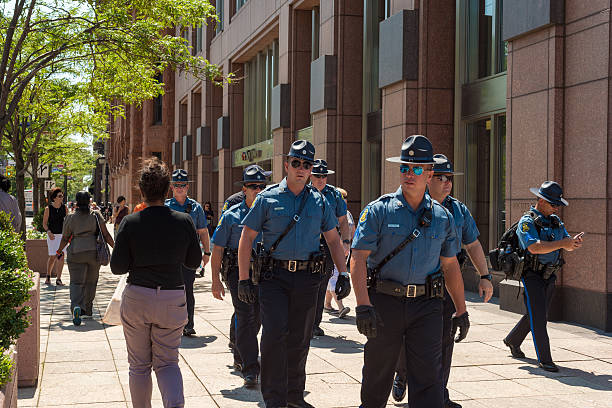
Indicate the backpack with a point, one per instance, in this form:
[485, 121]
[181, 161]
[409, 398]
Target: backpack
[509, 257]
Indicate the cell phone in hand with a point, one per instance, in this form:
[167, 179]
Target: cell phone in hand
[579, 236]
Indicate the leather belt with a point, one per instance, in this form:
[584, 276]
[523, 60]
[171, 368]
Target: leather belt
[291, 266]
[182, 287]
[388, 287]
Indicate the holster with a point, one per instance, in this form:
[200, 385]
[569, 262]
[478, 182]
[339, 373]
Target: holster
[434, 285]
[229, 260]
[328, 262]
[371, 277]
[262, 265]
[318, 262]
[462, 257]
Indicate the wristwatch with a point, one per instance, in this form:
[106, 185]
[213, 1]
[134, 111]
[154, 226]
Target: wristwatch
[346, 241]
[487, 276]
[207, 253]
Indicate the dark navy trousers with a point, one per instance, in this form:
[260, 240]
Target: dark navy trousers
[188, 279]
[321, 299]
[246, 326]
[537, 296]
[287, 305]
[416, 325]
[448, 344]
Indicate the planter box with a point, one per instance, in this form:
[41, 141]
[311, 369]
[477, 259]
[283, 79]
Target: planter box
[8, 393]
[28, 344]
[37, 253]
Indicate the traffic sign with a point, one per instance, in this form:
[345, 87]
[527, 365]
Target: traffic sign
[49, 184]
[10, 171]
[43, 170]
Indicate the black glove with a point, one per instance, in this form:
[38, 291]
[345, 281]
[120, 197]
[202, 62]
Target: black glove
[246, 291]
[343, 287]
[463, 323]
[367, 320]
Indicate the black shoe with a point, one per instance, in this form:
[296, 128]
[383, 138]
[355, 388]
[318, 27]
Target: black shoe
[188, 332]
[299, 404]
[399, 388]
[451, 404]
[317, 331]
[552, 367]
[515, 350]
[237, 366]
[250, 380]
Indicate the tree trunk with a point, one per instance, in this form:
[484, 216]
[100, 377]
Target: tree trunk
[20, 185]
[35, 183]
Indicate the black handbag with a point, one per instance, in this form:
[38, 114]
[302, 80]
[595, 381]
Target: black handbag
[102, 251]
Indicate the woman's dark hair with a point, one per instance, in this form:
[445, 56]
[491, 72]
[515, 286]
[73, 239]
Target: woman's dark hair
[209, 205]
[120, 199]
[82, 201]
[154, 179]
[5, 184]
[53, 193]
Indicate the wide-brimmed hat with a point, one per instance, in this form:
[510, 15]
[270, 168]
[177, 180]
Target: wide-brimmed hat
[302, 149]
[180, 176]
[445, 166]
[320, 168]
[254, 174]
[551, 192]
[416, 149]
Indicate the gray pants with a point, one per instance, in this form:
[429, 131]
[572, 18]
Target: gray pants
[84, 271]
[153, 322]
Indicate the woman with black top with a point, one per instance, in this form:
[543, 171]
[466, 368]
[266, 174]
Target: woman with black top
[210, 217]
[152, 246]
[53, 221]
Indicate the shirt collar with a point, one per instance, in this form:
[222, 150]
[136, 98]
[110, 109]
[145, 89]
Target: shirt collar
[284, 188]
[401, 201]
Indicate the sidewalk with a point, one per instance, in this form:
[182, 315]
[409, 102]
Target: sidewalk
[86, 366]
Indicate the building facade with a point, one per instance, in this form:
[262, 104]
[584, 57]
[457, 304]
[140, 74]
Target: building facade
[514, 92]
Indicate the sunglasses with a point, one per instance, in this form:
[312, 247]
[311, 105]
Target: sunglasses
[180, 185]
[59, 196]
[417, 170]
[320, 176]
[181, 172]
[304, 164]
[554, 205]
[444, 178]
[255, 186]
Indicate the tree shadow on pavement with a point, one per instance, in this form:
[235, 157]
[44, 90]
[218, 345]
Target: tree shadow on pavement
[196, 341]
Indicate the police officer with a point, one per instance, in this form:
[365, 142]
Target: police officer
[542, 234]
[288, 290]
[225, 251]
[405, 238]
[318, 179]
[440, 187]
[182, 203]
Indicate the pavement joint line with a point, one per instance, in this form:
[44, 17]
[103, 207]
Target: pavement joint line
[104, 326]
[42, 370]
[197, 377]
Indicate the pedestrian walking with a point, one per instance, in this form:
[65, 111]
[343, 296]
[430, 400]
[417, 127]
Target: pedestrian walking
[153, 247]
[210, 218]
[292, 215]
[404, 252]
[182, 203]
[440, 187]
[543, 236]
[224, 265]
[9, 204]
[119, 212]
[81, 229]
[53, 222]
[337, 205]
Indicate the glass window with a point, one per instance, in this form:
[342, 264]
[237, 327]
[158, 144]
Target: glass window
[240, 3]
[487, 53]
[199, 38]
[316, 26]
[158, 105]
[219, 7]
[261, 74]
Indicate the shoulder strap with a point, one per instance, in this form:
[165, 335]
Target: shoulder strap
[424, 221]
[294, 220]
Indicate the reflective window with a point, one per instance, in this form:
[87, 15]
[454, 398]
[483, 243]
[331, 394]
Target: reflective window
[316, 26]
[219, 7]
[487, 53]
[158, 105]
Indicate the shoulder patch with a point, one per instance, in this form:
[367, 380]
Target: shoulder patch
[525, 227]
[224, 206]
[364, 215]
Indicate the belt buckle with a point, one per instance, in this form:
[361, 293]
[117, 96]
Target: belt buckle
[411, 291]
[292, 266]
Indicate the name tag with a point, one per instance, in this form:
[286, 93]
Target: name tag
[278, 208]
[393, 225]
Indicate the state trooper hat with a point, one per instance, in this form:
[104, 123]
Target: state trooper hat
[320, 167]
[302, 149]
[417, 149]
[551, 192]
[446, 166]
[180, 176]
[254, 174]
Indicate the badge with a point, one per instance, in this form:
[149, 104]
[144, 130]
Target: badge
[525, 227]
[364, 215]
[188, 208]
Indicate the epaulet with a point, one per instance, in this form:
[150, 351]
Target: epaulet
[383, 197]
[270, 186]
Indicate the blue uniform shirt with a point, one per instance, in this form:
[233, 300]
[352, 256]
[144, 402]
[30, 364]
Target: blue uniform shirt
[388, 221]
[272, 212]
[528, 234]
[467, 231]
[228, 231]
[196, 213]
[335, 200]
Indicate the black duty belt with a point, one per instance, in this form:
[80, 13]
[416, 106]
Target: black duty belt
[291, 266]
[388, 287]
[182, 287]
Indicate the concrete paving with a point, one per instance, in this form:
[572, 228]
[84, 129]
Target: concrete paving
[86, 366]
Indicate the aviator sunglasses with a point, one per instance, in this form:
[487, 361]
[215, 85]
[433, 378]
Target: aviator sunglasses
[304, 164]
[180, 185]
[444, 178]
[255, 186]
[417, 170]
[320, 175]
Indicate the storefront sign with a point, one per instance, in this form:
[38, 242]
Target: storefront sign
[253, 154]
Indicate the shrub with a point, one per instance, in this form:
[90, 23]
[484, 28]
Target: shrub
[6, 364]
[37, 221]
[35, 234]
